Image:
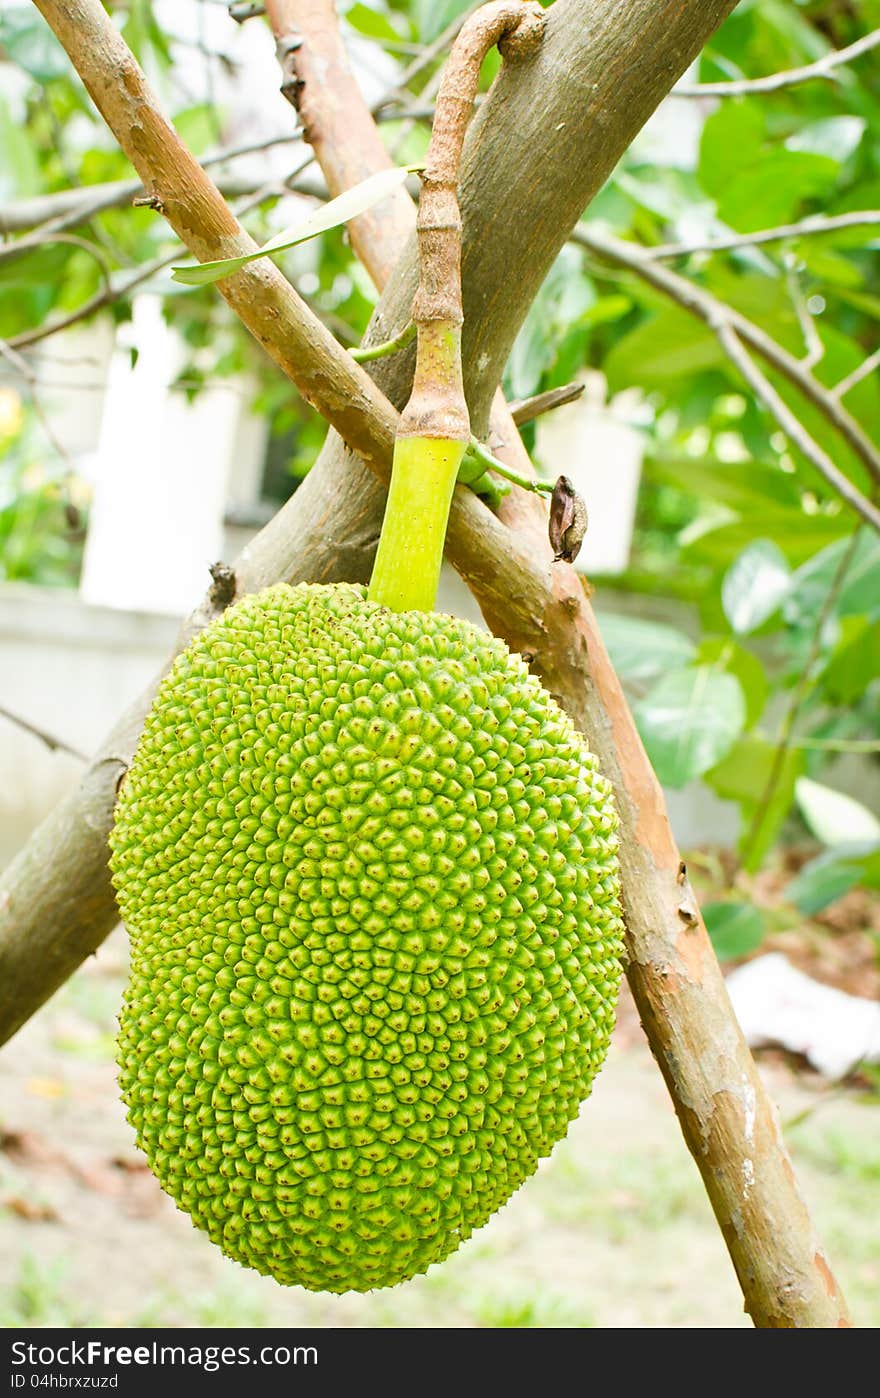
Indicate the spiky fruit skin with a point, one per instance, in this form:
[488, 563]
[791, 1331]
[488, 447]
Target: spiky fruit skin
[369, 873]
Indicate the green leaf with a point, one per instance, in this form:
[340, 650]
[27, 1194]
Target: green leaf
[726, 654]
[833, 817]
[641, 650]
[832, 874]
[689, 720]
[853, 664]
[735, 929]
[30, 43]
[754, 586]
[369, 22]
[742, 776]
[836, 137]
[660, 352]
[731, 142]
[19, 168]
[432, 16]
[742, 485]
[860, 593]
[774, 189]
[798, 535]
[337, 211]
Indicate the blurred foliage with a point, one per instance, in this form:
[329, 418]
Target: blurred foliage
[783, 590]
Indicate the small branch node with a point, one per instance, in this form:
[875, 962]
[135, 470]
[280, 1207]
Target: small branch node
[240, 10]
[223, 587]
[148, 201]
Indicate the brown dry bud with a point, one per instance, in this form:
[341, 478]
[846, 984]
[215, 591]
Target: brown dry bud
[568, 521]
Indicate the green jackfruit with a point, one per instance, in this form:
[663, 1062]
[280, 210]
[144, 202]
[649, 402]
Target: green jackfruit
[369, 873]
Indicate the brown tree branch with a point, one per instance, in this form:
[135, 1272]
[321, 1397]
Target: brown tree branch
[56, 903]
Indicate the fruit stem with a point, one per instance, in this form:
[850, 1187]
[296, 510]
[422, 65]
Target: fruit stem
[367, 353]
[482, 455]
[434, 430]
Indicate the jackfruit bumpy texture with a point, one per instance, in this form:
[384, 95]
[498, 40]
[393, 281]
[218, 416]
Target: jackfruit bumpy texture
[369, 872]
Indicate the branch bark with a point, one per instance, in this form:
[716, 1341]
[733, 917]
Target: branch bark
[327, 531]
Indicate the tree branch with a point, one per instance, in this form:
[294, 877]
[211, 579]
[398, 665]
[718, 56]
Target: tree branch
[263, 299]
[714, 313]
[57, 903]
[67, 207]
[791, 426]
[52, 743]
[859, 373]
[807, 227]
[824, 67]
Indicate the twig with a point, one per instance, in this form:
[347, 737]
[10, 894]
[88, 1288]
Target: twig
[795, 703]
[426, 57]
[816, 224]
[815, 350]
[823, 68]
[68, 207]
[477, 451]
[21, 367]
[53, 743]
[367, 353]
[121, 287]
[527, 409]
[862, 372]
[113, 292]
[791, 425]
[705, 306]
[240, 10]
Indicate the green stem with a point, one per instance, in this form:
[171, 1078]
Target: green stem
[477, 452]
[399, 342]
[406, 572]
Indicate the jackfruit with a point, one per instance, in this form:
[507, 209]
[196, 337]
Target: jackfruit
[369, 873]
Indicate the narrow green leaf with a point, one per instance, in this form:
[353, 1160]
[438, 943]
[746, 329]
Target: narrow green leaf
[742, 776]
[832, 874]
[337, 211]
[833, 817]
[735, 929]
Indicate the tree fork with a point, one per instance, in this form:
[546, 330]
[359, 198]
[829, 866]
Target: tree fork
[57, 903]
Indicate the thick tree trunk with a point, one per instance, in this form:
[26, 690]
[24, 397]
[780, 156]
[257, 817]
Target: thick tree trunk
[573, 113]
